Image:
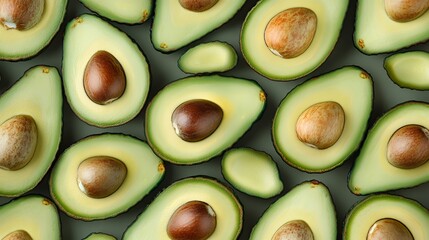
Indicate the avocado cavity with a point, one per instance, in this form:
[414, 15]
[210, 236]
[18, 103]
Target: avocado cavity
[387, 228]
[21, 15]
[294, 230]
[405, 10]
[18, 235]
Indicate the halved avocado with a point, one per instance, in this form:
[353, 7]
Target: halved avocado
[99, 236]
[208, 58]
[252, 172]
[133, 12]
[409, 69]
[375, 32]
[37, 94]
[241, 102]
[308, 204]
[144, 170]
[101, 36]
[33, 215]
[153, 223]
[21, 44]
[372, 172]
[411, 214]
[352, 89]
[330, 15]
[174, 26]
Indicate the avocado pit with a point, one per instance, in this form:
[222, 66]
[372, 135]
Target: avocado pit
[21, 14]
[197, 5]
[294, 230]
[388, 228]
[405, 10]
[18, 235]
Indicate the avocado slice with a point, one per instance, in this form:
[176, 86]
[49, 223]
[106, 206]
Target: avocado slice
[251, 171]
[372, 171]
[375, 32]
[208, 58]
[17, 44]
[32, 215]
[144, 170]
[153, 222]
[309, 202]
[411, 214]
[241, 101]
[409, 69]
[351, 88]
[99, 236]
[37, 95]
[330, 16]
[175, 26]
[133, 12]
[112, 48]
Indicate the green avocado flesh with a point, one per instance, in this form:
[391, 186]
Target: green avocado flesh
[152, 223]
[175, 27]
[330, 15]
[372, 172]
[242, 101]
[21, 44]
[350, 87]
[376, 33]
[99, 236]
[37, 94]
[100, 35]
[410, 213]
[33, 214]
[252, 172]
[131, 12]
[144, 171]
[409, 70]
[310, 202]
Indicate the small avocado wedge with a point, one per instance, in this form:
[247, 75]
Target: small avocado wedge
[193, 208]
[251, 171]
[208, 58]
[307, 209]
[377, 32]
[106, 77]
[394, 154]
[177, 23]
[131, 12]
[26, 29]
[271, 27]
[194, 119]
[30, 129]
[342, 101]
[401, 217]
[409, 69]
[30, 217]
[103, 175]
[99, 236]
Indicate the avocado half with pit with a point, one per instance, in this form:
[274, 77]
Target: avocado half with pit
[30, 129]
[194, 119]
[103, 175]
[191, 208]
[321, 122]
[106, 77]
[285, 40]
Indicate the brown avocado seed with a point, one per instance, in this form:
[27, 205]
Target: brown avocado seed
[197, 5]
[18, 235]
[21, 14]
[294, 230]
[388, 228]
[405, 10]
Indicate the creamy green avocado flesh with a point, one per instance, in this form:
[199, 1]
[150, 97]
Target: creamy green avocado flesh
[222, 207]
[143, 172]
[99, 236]
[348, 88]
[30, 216]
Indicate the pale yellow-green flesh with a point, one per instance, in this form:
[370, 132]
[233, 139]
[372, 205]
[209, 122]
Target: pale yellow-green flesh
[174, 26]
[310, 202]
[252, 172]
[372, 172]
[100, 236]
[130, 11]
[144, 171]
[152, 223]
[208, 57]
[351, 87]
[99, 35]
[34, 214]
[414, 216]
[38, 94]
[330, 15]
[375, 32]
[241, 101]
[15, 44]
[410, 69]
